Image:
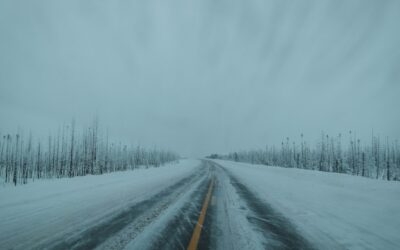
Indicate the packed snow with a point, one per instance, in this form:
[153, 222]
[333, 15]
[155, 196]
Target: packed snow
[38, 212]
[334, 211]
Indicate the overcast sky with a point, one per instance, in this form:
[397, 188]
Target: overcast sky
[202, 76]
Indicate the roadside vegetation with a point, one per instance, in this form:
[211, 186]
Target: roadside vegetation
[378, 158]
[70, 154]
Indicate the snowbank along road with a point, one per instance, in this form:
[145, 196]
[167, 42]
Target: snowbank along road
[196, 205]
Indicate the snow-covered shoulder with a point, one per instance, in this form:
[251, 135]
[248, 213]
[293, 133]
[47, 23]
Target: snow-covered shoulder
[332, 210]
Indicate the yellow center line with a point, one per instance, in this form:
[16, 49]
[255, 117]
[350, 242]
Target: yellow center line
[197, 230]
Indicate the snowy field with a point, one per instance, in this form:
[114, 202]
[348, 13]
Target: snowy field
[47, 209]
[333, 211]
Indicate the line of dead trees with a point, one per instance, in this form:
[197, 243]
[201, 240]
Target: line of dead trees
[378, 158]
[68, 155]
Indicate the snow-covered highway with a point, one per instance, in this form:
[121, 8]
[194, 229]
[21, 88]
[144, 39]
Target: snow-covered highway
[249, 207]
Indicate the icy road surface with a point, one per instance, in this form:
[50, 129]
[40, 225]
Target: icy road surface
[245, 207]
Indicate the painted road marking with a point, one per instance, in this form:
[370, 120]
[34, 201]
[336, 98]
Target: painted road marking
[197, 230]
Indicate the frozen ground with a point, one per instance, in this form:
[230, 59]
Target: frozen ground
[333, 211]
[41, 213]
[251, 207]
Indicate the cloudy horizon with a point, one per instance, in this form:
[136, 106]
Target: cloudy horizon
[200, 77]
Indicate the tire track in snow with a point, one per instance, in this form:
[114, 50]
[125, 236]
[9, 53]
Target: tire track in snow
[174, 229]
[139, 214]
[278, 232]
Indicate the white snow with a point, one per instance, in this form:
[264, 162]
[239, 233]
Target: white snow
[334, 211]
[231, 217]
[230, 227]
[44, 210]
[156, 228]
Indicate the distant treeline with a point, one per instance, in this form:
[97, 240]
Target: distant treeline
[68, 154]
[378, 159]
